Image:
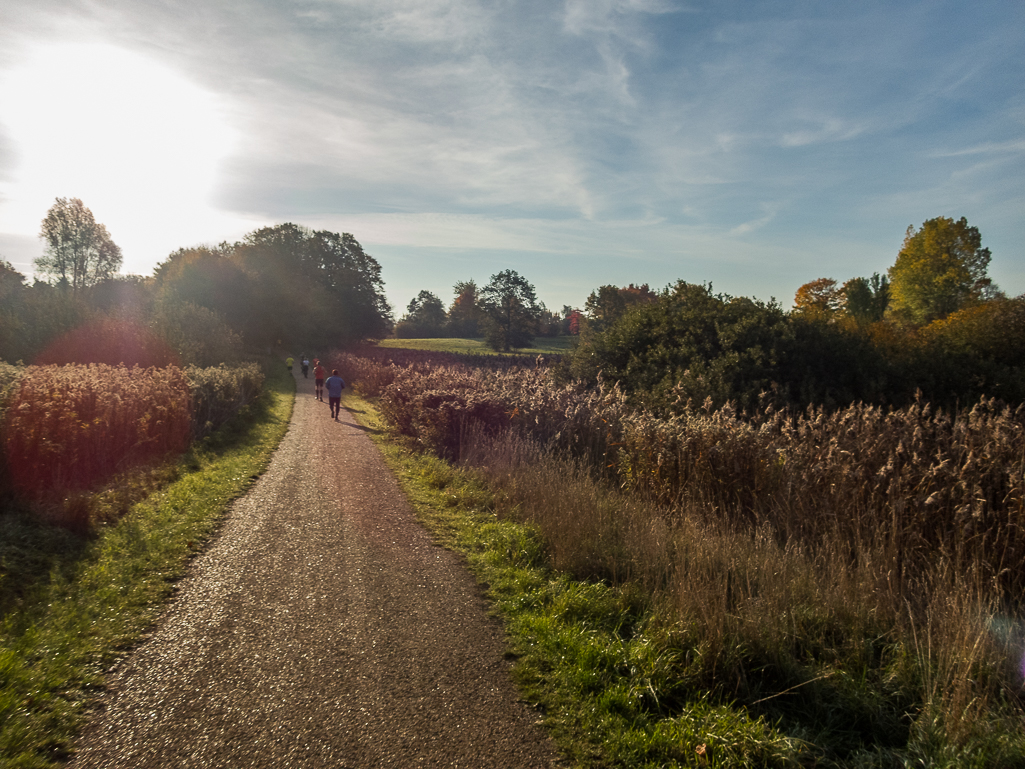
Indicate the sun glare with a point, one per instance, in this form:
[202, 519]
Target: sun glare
[138, 143]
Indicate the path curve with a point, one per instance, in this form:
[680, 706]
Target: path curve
[321, 628]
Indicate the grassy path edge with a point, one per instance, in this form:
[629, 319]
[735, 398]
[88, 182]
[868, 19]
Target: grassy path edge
[56, 647]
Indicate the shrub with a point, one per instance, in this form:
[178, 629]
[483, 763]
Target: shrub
[218, 393]
[110, 341]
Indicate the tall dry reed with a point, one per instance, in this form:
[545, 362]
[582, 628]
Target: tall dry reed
[914, 481]
[863, 556]
[68, 428]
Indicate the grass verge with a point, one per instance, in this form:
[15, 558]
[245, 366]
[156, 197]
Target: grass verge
[594, 659]
[70, 604]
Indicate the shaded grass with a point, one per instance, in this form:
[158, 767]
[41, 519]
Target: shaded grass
[72, 604]
[555, 345]
[614, 683]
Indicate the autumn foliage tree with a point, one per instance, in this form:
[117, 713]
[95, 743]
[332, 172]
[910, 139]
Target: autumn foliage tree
[941, 268]
[464, 314]
[818, 297]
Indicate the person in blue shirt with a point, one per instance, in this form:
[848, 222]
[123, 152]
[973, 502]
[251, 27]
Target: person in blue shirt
[334, 384]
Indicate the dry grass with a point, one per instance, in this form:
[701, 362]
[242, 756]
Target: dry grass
[68, 429]
[857, 570]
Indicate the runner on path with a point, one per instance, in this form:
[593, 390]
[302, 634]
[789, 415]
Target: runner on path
[322, 627]
[334, 384]
[318, 379]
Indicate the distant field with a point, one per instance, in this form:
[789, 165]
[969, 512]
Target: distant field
[541, 346]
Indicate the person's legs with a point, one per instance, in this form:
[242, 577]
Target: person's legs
[336, 406]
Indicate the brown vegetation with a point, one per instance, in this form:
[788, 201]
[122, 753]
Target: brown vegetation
[863, 555]
[70, 428]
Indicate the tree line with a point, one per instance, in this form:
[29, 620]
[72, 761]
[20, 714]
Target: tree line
[285, 285]
[934, 327]
[505, 312]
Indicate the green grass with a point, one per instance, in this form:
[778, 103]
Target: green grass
[611, 682]
[70, 605]
[541, 346]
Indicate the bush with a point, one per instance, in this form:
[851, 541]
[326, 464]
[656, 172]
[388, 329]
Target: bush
[218, 393]
[109, 341]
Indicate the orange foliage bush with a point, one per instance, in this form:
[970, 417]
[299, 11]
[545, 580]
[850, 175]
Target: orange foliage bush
[112, 341]
[68, 428]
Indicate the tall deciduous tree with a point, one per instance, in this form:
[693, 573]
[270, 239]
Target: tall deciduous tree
[941, 268]
[313, 287]
[464, 315]
[79, 250]
[866, 299]
[511, 310]
[425, 318]
[818, 297]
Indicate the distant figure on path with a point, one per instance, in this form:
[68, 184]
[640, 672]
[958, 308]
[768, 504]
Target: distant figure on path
[335, 384]
[318, 379]
[306, 367]
[289, 361]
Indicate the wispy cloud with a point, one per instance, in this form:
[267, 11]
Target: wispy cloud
[1012, 147]
[756, 224]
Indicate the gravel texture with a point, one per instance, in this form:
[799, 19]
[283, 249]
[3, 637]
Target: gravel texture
[322, 628]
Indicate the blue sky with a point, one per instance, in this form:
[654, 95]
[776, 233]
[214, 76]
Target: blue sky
[756, 145]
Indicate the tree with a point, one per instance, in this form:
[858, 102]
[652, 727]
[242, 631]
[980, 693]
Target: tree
[866, 299]
[818, 297]
[606, 305]
[198, 335]
[12, 286]
[464, 316]
[690, 344]
[511, 311]
[79, 249]
[574, 322]
[941, 268]
[210, 278]
[425, 318]
[312, 287]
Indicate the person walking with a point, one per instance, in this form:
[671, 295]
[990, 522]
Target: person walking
[318, 379]
[289, 361]
[334, 384]
[306, 367]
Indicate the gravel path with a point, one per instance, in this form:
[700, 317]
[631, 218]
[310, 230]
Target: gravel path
[322, 628]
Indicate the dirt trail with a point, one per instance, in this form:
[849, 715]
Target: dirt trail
[322, 628]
